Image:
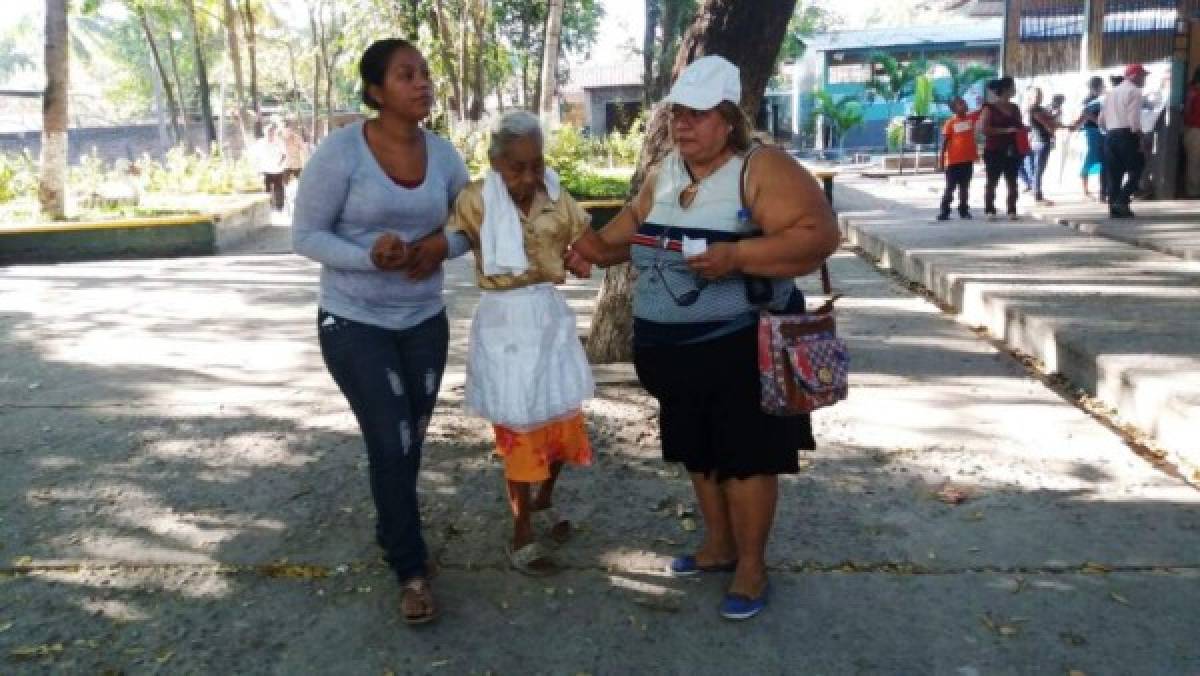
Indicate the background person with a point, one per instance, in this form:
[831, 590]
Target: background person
[695, 328]
[371, 206]
[267, 155]
[1043, 124]
[1191, 134]
[958, 157]
[1088, 121]
[1121, 117]
[999, 122]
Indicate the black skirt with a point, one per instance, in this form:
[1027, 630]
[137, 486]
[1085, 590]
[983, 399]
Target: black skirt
[710, 418]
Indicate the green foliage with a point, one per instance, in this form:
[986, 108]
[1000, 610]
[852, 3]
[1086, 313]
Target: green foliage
[194, 172]
[898, 79]
[585, 165]
[895, 135]
[809, 19]
[962, 79]
[18, 177]
[922, 96]
[589, 184]
[844, 114]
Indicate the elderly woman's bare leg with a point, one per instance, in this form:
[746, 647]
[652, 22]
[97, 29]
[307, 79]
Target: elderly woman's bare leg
[718, 547]
[544, 499]
[752, 511]
[520, 499]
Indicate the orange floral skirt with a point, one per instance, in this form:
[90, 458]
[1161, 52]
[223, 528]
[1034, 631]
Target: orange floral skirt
[529, 455]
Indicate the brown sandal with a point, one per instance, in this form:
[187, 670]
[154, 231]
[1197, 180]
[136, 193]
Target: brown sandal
[416, 601]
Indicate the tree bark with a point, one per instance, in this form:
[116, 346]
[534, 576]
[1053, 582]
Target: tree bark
[442, 35]
[52, 179]
[747, 33]
[549, 79]
[251, 35]
[464, 66]
[316, 85]
[235, 57]
[210, 129]
[168, 91]
[478, 59]
[669, 48]
[653, 12]
[187, 123]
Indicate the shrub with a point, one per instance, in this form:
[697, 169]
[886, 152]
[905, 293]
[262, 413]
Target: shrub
[18, 176]
[895, 135]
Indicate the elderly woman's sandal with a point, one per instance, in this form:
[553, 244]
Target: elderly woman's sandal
[553, 524]
[416, 601]
[532, 560]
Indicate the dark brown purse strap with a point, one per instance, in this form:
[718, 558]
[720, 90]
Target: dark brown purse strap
[826, 282]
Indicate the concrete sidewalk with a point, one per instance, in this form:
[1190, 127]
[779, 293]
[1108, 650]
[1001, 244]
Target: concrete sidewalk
[1166, 226]
[184, 492]
[1119, 321]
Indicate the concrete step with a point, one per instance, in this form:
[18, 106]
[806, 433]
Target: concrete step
[1120, 322]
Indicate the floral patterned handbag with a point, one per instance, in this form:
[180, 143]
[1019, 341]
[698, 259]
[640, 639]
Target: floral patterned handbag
[802, 363]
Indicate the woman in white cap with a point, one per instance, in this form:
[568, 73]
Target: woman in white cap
[719, 230]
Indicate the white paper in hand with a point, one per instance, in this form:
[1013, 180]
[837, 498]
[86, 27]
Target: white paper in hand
[694, 247]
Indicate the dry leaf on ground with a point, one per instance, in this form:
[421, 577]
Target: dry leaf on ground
[952, 495]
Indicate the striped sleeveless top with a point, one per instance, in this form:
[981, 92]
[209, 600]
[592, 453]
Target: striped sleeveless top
[671, 305]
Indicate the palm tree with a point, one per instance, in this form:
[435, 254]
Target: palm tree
[962, 79]
[52, 182]
[898, 78]
[843, 115]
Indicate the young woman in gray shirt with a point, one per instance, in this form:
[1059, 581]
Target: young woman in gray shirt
[370, 209]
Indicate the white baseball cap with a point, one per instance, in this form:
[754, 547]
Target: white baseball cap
[706, 82]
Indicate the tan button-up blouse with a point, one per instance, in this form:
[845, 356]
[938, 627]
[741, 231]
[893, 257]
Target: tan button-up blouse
[549, 228]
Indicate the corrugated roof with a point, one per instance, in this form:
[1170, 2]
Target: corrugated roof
[977, 31]
[628, 74]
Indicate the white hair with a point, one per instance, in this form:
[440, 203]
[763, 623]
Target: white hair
[513, 125]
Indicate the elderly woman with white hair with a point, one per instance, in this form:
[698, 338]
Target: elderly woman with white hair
[526, 370]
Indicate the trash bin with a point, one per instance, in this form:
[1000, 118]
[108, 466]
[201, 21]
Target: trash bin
[919, 130]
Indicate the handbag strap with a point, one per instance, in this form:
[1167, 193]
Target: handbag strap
[826, 282]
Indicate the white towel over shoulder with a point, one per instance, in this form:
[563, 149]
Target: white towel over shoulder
[502, 242]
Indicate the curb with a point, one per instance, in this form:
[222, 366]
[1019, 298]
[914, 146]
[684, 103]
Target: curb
[1145, 401]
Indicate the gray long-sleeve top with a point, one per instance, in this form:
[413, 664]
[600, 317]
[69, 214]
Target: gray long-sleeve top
[345, 201]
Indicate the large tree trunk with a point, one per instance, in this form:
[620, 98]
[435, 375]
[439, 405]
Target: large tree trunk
[653, 12]
[672, 18]
[442, 35]
[549, 79]
[251, 35]
[414, 23]
[464, 65]
[168, 91]
[747, 33]
[478, 58]
[210, 129]
[235, 57]
[187, 122]
[52, 180]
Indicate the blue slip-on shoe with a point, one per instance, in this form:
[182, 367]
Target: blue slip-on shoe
[742, 607]
[686, 566]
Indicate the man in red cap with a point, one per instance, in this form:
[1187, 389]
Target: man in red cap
[1121, 116]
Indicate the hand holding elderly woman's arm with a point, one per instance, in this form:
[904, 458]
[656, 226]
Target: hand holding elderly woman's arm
[799, 230]
[610, 245]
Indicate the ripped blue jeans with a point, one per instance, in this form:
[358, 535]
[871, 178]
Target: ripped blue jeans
[390, 379]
